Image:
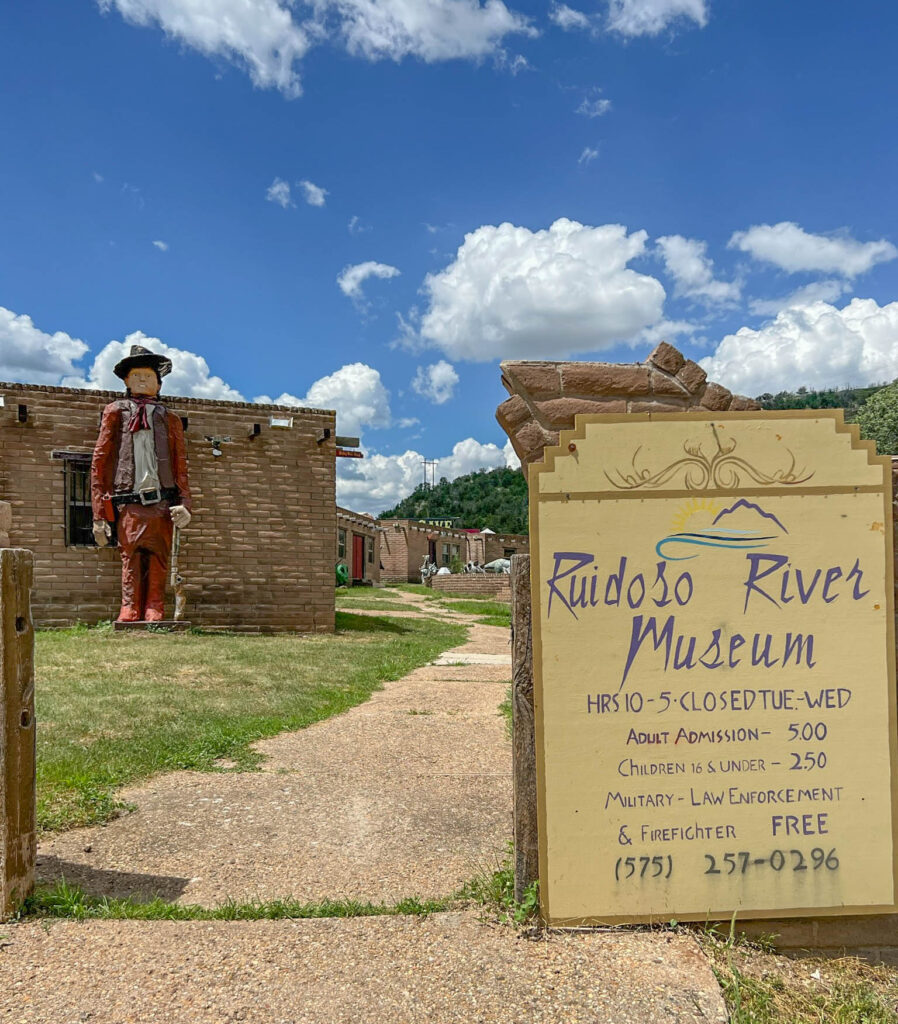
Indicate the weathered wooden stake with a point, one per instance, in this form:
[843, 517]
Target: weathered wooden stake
[18, 845]
[526, 842]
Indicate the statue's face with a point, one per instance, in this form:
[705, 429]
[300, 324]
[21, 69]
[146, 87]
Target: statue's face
[143, 381]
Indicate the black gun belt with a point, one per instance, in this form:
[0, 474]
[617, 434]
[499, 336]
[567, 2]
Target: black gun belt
[148, 496]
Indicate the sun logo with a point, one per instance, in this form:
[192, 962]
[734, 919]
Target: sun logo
[694, 507]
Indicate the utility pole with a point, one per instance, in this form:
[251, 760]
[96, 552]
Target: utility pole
[432, 463]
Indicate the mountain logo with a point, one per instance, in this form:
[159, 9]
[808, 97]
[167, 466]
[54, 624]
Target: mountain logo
[743, 503]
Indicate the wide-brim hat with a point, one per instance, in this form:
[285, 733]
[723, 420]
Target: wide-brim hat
[141, 356]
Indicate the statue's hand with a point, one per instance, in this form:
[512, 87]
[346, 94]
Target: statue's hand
[102, 532]
[180, 516]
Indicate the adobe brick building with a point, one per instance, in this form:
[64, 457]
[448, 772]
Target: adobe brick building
[358, 546]
[406, 542]
[259, 553]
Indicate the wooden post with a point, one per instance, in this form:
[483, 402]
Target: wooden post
[18, 844]
[526, 842]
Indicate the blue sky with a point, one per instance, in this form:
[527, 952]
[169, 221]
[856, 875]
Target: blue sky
[366, 204]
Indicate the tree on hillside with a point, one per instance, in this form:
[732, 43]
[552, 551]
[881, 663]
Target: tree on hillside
[878, 419]
[496, 498]
[849, 399]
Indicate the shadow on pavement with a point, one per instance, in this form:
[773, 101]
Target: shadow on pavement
[113, 884]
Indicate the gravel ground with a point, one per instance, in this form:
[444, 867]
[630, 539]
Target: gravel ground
[444, 969]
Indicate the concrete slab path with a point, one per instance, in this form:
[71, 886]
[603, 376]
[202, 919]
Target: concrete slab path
[448, 969]
[406, 795]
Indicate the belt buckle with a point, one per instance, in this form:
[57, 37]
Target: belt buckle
[145, 498]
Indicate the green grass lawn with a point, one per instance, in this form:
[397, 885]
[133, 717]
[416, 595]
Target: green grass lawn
[366, 593]
[414, 588]
[375, 606]
[115, 708]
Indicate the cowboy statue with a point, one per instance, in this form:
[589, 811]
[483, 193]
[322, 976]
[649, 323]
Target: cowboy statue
[139, 482]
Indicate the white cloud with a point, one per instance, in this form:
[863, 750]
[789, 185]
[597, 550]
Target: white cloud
[355, 391]
[263, 37]
[29, 355]
[190, 376]
[512, 63]
[512, 293]
[279, 192]
[379, 481]
[257, 35]
[594, 106]
[356, 227]
[693, 272]
[587, 156]
[431, 30]
[816, 346]
[817, 291]
[161, 246]
[511, 458]
[98, 178]
[407, 422]
[789, 247]
[665, 330]
[436, 382]
[313, 194]
[352, 278]
[649, 17]
[567, 18]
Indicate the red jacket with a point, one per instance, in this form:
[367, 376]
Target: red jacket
[112, 470]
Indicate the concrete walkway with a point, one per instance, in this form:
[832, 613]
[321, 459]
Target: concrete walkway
[406, 795]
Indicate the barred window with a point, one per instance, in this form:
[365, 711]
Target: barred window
[369, 543]
[78, 513]
[341, 543]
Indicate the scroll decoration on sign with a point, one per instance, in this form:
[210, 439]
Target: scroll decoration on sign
[720, 471]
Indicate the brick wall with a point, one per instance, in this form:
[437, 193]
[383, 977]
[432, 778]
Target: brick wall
[496, 544]
[259, 554]
[465, 584]
[402, 550]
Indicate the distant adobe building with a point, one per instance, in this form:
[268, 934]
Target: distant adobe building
[358, 546]
[406, 542]
[259, 553]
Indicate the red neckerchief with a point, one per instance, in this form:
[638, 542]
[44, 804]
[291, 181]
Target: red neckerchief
[140, 421]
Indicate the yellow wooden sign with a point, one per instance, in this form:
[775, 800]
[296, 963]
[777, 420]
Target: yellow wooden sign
[714, 663]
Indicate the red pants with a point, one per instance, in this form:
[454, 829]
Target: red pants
[144, 539]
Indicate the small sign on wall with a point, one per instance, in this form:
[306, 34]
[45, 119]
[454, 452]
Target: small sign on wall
[714, 668]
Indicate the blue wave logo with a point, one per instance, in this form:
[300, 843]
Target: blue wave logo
[676, 547]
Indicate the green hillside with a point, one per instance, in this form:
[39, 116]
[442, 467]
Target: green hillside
[849, 399]
[496, 498]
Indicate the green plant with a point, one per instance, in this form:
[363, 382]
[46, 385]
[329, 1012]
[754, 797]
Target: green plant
[506, 711]
[494, 890]
[62, 900]
[878, 419]
[760, 988]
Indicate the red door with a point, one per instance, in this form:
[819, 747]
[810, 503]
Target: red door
[358, 557]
